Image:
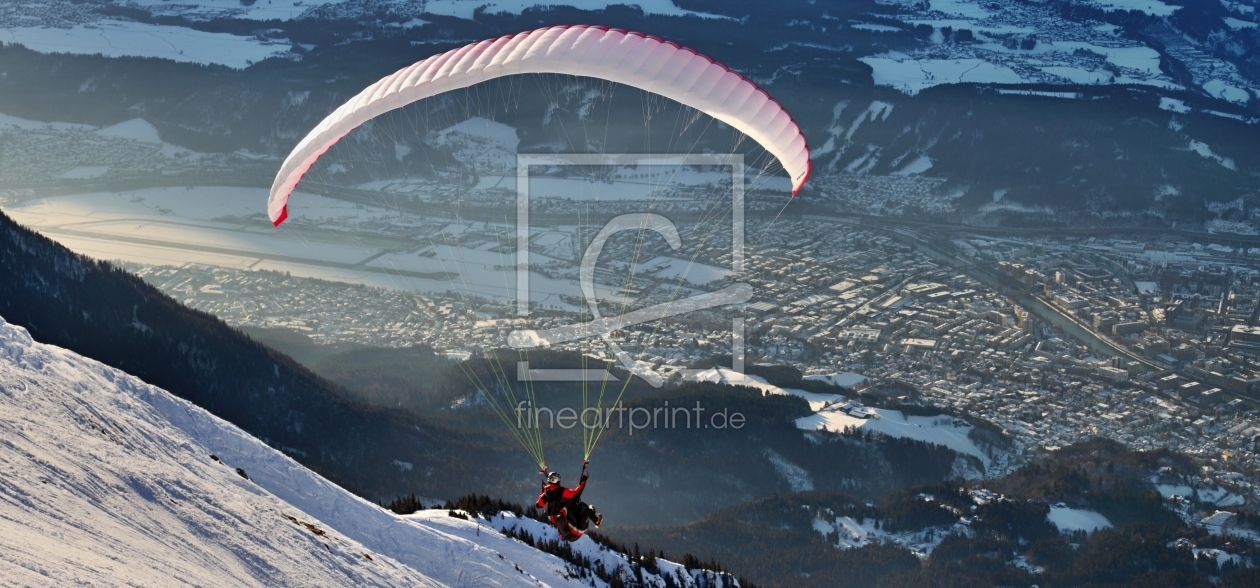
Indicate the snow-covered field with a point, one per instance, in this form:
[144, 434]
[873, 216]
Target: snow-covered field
[1237, 24]
[1076, 519]
[913, 75]
[1173, 105]
[1224, 91]
[1204, 493]
[106, 480]
[14, 122]
[117, 38]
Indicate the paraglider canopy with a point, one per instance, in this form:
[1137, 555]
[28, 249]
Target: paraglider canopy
[643, 61]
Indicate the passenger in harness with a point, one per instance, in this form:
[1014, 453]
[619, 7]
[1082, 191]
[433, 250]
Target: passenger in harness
[565, 509]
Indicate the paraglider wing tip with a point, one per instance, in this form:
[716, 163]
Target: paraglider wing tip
[809, 167]
[284, 214]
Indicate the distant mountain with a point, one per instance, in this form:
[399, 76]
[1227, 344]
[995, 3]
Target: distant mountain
[995, 112]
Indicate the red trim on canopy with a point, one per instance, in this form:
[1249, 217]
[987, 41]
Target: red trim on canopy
[809, 167]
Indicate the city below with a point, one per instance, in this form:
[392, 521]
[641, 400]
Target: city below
[1049, 336]
[1055, 341]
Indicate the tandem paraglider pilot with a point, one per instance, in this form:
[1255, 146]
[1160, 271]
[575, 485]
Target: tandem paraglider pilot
[564, 506]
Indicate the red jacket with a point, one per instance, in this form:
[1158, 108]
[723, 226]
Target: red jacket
[568, 494]
[563, 498]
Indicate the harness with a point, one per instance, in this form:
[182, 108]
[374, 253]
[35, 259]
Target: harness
[555, 501]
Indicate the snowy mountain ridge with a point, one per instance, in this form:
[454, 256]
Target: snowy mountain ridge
[106, 479]
[1091, 42]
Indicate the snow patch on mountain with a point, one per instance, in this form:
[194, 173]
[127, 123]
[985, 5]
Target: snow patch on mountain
[1151, 7]
[913, 75]
[1021, 43]
[13, 122]
[796, 476]
[118, 38]
[1238, 7]
[919, 165]
[961, 8]
[1239, 25]
[136, 129]
[849, 533]
[1206, 152]
[483, 131]
[468, 8]
[844, 379]
[730, 377]
[878, 28]
[1227, 92]
[836, 413]
[941, 430]
[209, 9]
[1173, 105]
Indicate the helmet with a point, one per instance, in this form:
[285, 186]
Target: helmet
[553, 478]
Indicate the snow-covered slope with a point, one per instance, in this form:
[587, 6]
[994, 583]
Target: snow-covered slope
[483, 529]
[107, 480]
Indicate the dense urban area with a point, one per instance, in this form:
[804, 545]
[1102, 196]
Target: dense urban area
[1055, 341]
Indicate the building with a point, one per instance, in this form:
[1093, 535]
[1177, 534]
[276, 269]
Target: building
[1244, 337]
[1121, 329]
[1211, 397]
[1189, 390]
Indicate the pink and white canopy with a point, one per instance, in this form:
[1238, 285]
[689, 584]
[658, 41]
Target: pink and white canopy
[643, 61]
